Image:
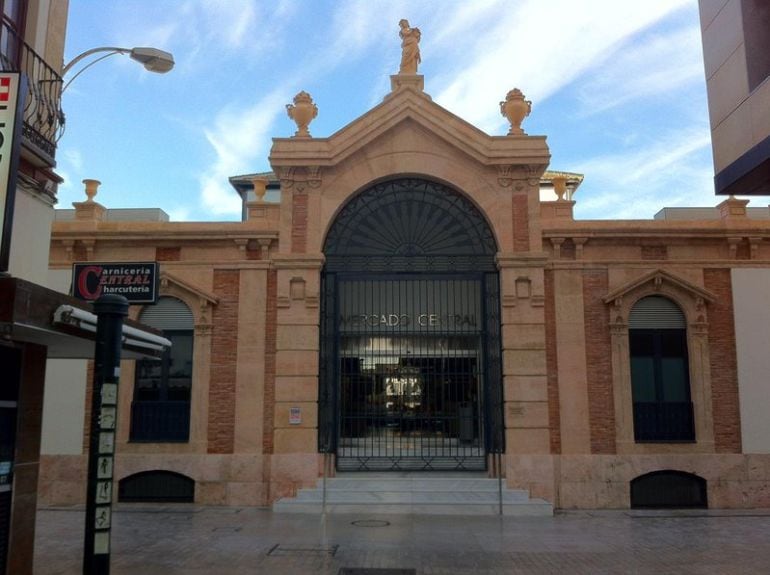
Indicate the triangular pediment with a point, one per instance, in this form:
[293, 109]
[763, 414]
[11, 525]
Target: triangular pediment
[170, 282]
[658, 278]
[411, 108]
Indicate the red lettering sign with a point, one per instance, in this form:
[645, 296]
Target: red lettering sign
[85, 273]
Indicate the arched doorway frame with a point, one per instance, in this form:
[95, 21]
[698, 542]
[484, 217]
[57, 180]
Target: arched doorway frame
[406, 228]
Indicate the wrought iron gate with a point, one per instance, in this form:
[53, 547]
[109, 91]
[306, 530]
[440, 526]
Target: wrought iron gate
[410, 373]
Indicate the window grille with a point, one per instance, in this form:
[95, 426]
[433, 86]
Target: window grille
[160, 411]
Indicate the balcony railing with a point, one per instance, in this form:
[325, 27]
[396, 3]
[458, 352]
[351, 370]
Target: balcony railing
[664, 421]
[43, 116]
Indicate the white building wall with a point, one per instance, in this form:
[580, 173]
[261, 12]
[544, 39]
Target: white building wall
[751, 301]
[30, 237]
[59, 280]
[65, 391]
[64, 407]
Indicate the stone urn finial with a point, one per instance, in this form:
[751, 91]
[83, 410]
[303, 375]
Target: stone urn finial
[559, 186]
[260, 187]
[302, 112]
[91, 188]
[515, 108]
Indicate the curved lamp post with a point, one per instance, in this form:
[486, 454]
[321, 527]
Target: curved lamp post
[152, 59]
[96, 547]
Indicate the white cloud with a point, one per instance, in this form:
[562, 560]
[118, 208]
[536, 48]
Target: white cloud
[67, 192]
[240, 138]
[180, 214]
[636, 183]
[538, 47]
[364, 29]
[73, 157]
[203, 33]
[605, 51]
[234, 22]
[662, 64]
[70, 168]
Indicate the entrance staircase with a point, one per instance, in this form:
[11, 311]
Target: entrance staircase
[413, 493]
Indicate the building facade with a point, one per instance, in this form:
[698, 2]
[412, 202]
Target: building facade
[736, 52]
[31, 44]
[42, 328]
[420, 297]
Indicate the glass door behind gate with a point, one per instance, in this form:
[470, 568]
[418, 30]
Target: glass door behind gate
[410, 375]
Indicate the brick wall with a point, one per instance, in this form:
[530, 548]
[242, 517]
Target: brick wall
[79, 253]
[568, 250]
[724, 363]
[601, 404]
[520, 223]
[299, 223]
[552, 366]
[224, 355]
[654, 252]
[271, 331]
[168, 254]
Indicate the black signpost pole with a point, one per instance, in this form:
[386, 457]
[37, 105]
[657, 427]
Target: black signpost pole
[110, 311]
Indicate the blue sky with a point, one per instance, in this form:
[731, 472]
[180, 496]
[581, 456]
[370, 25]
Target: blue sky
[617, 86]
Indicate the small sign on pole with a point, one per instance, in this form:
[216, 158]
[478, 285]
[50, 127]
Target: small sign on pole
[13, 87]
[110, 311]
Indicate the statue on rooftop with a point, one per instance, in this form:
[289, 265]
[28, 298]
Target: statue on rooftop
[410, 48]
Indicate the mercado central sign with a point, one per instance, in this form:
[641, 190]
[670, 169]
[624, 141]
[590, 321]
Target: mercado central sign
[455, 321]
[440, 305]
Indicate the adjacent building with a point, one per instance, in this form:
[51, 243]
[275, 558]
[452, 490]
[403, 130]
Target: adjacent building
[31, 43]
[39, 326]
[736, 52]
[413, 294]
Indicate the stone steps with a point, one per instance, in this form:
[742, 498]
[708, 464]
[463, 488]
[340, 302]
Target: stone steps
[413, 494]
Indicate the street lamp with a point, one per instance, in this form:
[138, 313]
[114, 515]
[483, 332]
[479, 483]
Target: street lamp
[152, 59]
[110, 314]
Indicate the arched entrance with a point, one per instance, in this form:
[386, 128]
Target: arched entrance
[410, 375]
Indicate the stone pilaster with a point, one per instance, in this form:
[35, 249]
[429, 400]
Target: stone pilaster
[294, 459]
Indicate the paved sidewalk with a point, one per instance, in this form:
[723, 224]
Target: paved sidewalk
[169, 540]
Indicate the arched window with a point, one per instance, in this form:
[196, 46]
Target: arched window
[160, 411]
[660, 380]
